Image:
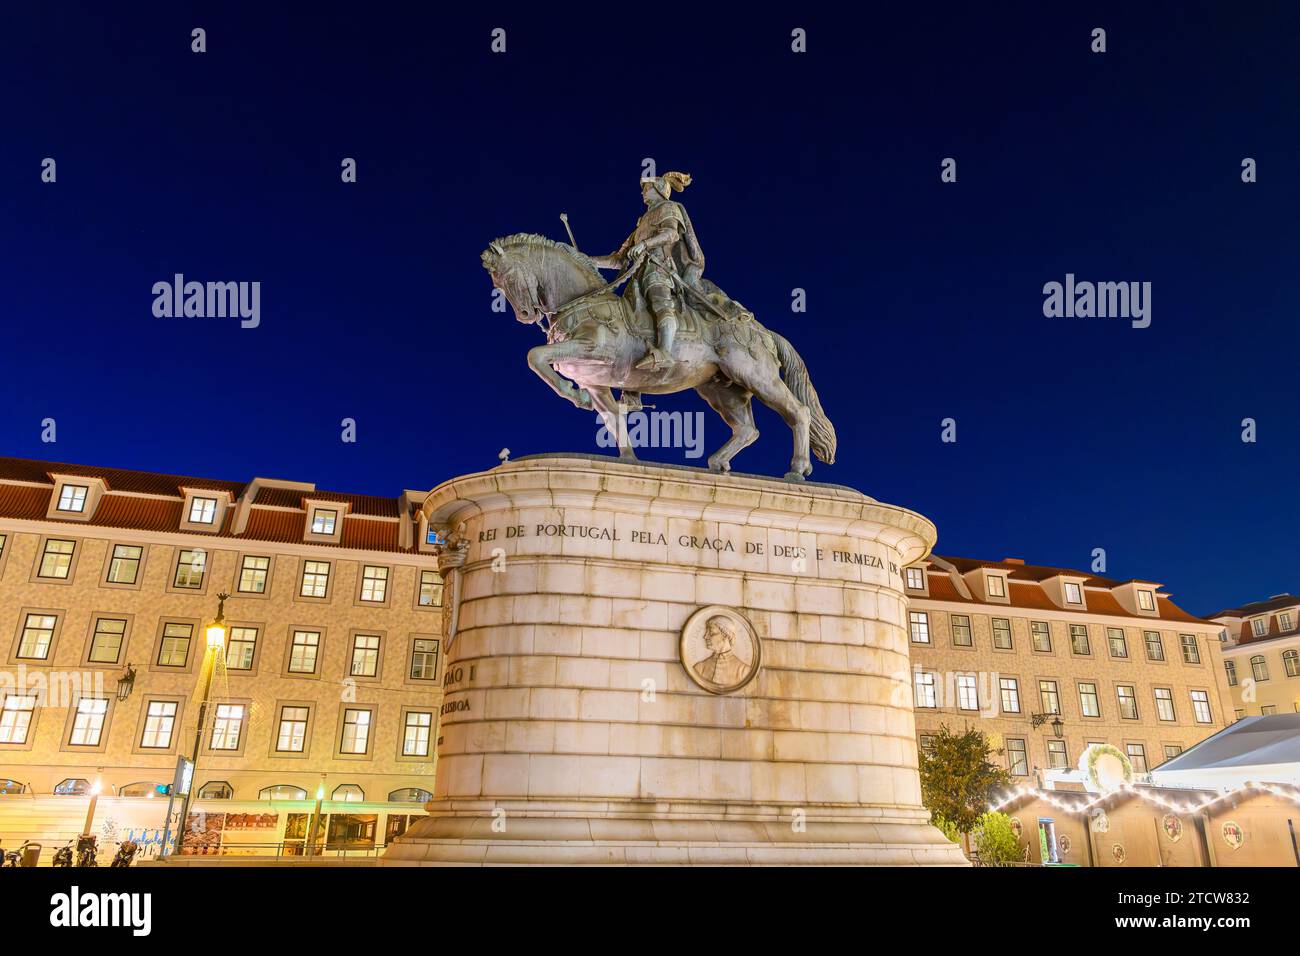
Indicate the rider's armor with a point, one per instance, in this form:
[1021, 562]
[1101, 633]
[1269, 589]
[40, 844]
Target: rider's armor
[671, 249]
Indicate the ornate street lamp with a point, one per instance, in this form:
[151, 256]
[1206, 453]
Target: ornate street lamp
[216, 640]
[1057, 725]
[126, 683]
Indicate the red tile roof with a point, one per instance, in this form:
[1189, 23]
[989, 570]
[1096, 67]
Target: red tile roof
[1026, 591]
[122, 506]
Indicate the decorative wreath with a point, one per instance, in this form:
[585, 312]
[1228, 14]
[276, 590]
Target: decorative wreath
[1096, 753]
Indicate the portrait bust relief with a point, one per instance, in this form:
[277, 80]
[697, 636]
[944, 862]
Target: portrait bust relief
[720, 650]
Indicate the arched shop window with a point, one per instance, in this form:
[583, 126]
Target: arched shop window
[12, 786]
[410, 795]
[141, 789]
[349, 792]
[216, 790]
[282, 791]
[72, 787]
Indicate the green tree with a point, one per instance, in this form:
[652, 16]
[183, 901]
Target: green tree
[995, 842]
[958, 778]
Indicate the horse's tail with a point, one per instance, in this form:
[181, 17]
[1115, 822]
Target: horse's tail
[821, 433]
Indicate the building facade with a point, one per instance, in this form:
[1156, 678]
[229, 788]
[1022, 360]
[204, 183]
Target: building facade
[1261, 656]
[1010, 648]
[331, 679]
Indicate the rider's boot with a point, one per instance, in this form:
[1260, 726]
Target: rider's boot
[660, 356]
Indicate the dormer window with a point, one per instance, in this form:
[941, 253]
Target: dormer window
[915, 579]
[1259, 627]
[1073, 593]
[203, 510]
[73, 498]
[323, 521]
[1147, 600]
[1284, 621]
[997, 586]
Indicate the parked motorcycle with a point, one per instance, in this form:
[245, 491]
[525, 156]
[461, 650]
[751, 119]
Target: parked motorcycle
[125, 853]
[25, 855]
[87, 849]
[63, 855]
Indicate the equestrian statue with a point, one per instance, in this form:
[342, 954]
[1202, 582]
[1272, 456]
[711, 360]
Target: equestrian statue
[670, 330]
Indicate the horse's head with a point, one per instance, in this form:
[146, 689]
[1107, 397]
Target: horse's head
[538, 275]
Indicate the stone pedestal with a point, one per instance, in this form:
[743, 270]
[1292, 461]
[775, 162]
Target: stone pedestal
[572, 730]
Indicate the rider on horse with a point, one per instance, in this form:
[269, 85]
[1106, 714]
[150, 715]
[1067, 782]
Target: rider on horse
[664, 244]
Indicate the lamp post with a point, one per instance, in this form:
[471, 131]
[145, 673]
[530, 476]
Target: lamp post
[216, 645]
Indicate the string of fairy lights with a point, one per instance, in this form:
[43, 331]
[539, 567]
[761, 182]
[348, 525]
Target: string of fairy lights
[1151, 795]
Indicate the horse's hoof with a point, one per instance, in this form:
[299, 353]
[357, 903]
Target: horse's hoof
[719, 467]
[627, 456]
[793, 476]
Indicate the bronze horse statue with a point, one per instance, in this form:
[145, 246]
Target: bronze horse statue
[594, 338]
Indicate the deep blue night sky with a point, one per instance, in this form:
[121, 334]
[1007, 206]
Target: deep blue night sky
[818, 171]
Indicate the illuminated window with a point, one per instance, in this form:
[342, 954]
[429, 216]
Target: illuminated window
[1048, 695]
[1201, 707]
[924, 689]
[174, 650]
[159, 722]
[1079, 640]
[38, 634]
[1042, 635]
[1146, 600]
[1155, 646]
[967, 694]
[56, 559]
[410, 795]
[1259, 668]
[190, 565]
[1056, 755]
[430, 589]
[365, 655]
[961, 635]
[1191, 653]
[1017, 759]
[915, 579]
[323, 521]
[1291, 661]
[293, 729]
[227, 727]
[1118, 644]
[203, 510]
[216, 790]
[1089, 704]
[252, 574]
[1010, 689]
[303, 653]
[424, 659]
[348, 793]
[241, 649]
[1002, 633]
[919, 622]
[1073, 593]
[1128, 705]
[1137, 756]
[997, 585]
[1284, 621]
[1164, 703]
[374, 584]
[106, 643]
[124, 566]
[1259, 627]
[356, 731]
[88, 724]
[16, 718]
[315, 579]
[73, 498]
[415, 736]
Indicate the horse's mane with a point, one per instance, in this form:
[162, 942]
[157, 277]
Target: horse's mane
[536, 239]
